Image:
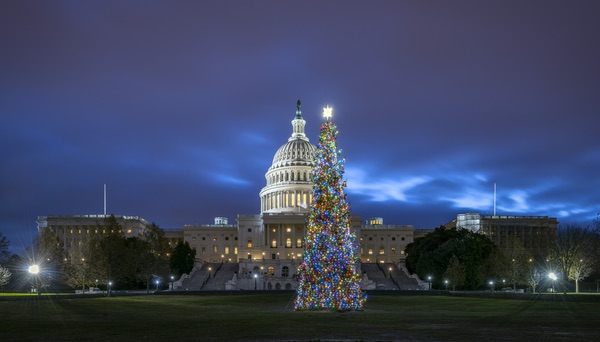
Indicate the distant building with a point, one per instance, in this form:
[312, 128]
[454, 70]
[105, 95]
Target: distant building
[71, 230]
[536, 232]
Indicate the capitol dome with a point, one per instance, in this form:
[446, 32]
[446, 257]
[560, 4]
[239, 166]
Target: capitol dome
[289, 179]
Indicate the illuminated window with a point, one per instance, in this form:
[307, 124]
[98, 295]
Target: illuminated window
[285, 271]
[215, 249]
[370, 251]
[226, 250]
[271, 271]
[288, 243]
[299, 243]
[393, 250]
[274, 243]
[381, 250]
[235, 250]
[249, 243]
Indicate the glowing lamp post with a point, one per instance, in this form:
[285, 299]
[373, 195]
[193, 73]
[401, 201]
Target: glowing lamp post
[35, 270]
[553, 277]
[255, 276]
[172, 280]
[446, 283]
[157, 282]
[429, 281]
[491, 286]
[109, 286]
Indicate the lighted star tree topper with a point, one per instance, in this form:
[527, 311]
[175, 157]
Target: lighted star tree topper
[329, 277]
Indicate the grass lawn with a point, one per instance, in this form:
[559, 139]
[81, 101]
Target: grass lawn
[259, 317]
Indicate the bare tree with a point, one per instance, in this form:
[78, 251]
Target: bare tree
[574, 252]
[4, 276]
[535, 274]
[4, 244]
[580, 270]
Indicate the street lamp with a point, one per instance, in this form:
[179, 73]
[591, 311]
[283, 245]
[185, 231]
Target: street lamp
[109, 286]
[429, 280]
[553, 277]
[209, 269]
[390, 269]
[35, 270]
[157, 281]
[446, 283]
[255, 276]
[491, 286]
[172, 280]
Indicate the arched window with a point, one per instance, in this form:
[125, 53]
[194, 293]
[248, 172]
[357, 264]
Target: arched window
[249, 243]
[299, 243]
[381, 250]
[285, 271]
[215, 249]
[288, 243]
[274, 243]
[370, 251]
[271, 271]
[393, 250]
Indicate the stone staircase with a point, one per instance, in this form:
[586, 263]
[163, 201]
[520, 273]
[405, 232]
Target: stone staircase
[396, 279]
[376, 274]
[220, 274]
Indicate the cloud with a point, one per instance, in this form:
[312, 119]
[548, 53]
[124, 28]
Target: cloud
[383, 189]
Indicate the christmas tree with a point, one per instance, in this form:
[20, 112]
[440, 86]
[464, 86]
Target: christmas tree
[329, 277]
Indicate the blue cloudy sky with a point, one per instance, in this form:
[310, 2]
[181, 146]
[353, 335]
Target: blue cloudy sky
[179, 106]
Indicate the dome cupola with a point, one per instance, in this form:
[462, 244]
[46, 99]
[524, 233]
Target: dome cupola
[289, 179]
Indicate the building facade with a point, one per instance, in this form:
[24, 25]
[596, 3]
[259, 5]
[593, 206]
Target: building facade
[72, 230]
[536, 232]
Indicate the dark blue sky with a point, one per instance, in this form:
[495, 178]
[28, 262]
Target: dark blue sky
[179, 106]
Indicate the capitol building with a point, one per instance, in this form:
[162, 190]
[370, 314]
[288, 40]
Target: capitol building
[263, 250]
